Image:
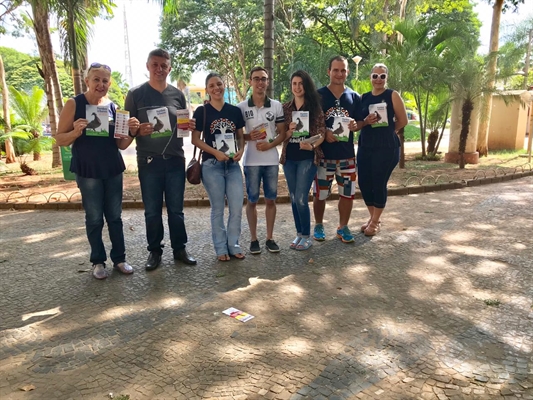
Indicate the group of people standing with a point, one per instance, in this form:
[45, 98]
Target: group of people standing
[316, 130]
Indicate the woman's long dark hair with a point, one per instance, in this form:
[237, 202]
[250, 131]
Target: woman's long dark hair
[311, 97]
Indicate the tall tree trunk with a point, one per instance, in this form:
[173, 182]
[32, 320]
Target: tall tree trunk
[528, 55]
[268, 46]
[468, 107]
[74, 52]
[486, 105]
[41, 26]
[10, 149]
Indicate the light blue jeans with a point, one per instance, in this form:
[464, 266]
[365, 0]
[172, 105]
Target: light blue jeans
[300, 176]
[223, 180]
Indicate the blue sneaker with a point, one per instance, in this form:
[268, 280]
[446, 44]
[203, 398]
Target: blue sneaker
[319, 233]
[345, 235]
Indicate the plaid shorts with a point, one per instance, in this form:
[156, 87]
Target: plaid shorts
[344, 173]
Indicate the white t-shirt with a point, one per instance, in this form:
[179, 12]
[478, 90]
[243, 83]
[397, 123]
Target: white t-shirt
[269, 115]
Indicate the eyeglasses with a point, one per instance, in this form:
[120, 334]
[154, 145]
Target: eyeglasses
[337, 103]
[380, 76]
[98, 65]
[256, 79]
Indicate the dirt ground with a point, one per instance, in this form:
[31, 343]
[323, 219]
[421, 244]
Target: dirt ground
[49, 184]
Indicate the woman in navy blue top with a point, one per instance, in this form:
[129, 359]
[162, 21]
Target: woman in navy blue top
[222, 148]
[87, 123]
[378, 151]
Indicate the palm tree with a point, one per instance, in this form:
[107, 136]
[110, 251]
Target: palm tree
[30, 109]
[268, 44]
[75, 20]
[486, 105]
[41, 26]
[10, 151]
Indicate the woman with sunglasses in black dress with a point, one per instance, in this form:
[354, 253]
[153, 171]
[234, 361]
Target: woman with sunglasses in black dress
[87, 123]
[378, 150]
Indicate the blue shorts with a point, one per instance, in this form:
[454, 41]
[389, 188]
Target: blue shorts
[254, 174]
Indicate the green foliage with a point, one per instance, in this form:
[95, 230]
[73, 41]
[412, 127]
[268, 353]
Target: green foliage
[25, 142]
[30, 108]
[118, 90]
[230, 34]
[22, 73]
[411, 133]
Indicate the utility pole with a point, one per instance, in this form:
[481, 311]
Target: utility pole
[528, 56]
[127, 59]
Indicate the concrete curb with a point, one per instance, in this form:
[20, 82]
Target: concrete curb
[398, 191]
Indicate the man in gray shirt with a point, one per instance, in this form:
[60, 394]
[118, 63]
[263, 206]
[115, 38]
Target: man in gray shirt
[160, 158]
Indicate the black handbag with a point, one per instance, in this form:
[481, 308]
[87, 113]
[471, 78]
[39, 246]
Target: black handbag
[194, 168]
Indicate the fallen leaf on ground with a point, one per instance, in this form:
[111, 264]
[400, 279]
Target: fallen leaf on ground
[27, 388]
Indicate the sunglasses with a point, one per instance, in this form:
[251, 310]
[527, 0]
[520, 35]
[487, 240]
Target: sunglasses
[380, 76]
[98, 65]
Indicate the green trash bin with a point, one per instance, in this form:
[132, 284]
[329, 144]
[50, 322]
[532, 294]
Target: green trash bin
[66, 156]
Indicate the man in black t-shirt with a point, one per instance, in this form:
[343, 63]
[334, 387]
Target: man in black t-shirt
[160, 158]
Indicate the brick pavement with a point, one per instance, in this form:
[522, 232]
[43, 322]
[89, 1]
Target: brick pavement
[400, 316]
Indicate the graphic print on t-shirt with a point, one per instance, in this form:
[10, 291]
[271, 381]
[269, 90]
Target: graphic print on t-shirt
[98, 118]
[224, 132]
[380, 110]
[301, 118]
[158, 117]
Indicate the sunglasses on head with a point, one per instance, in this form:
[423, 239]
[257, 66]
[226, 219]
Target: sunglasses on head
[98, 65]
[380, 76]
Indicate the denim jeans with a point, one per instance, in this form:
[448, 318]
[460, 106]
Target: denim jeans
[254, 174]
[159, 175]
[300, 176]
[223, 180]
[103, 197]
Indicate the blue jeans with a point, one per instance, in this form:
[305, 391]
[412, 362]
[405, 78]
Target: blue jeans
[159, 175]
[254, 174]
[300, 176]
[223, 180]
[103, 197]
[374, 168]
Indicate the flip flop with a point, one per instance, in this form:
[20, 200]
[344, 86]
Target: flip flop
[223, 258]
[239, 256]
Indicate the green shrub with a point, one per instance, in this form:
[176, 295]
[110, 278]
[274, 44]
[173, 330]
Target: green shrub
[411, 133]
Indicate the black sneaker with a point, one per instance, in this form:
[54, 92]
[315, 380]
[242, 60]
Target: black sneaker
[272, 246]
[254, 247]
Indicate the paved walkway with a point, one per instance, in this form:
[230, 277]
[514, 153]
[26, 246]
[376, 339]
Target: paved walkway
[403, 315]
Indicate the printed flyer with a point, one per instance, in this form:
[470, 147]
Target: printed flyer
[121, 124]
[183, 123]
[380, 110]
[264, 128]
[98, 118]
[238, 314]
[225, 143]
[302, 123]
[340, 128]
[158, 117]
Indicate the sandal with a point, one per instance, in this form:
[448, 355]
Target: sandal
[295, 242]
[305, 244]
[373, 228]
[364, 226]
[239, 256]
[223, 257]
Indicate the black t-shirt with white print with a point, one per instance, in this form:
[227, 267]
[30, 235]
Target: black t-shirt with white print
[220, 128]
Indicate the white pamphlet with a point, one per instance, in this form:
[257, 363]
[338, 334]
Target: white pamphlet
[158, 117]
[340, 128]
[98, 120]
[183, 123]
[380, 110]
[121, 124]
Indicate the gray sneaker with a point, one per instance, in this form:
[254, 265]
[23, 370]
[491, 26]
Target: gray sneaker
[124, 267]
[99, 271]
